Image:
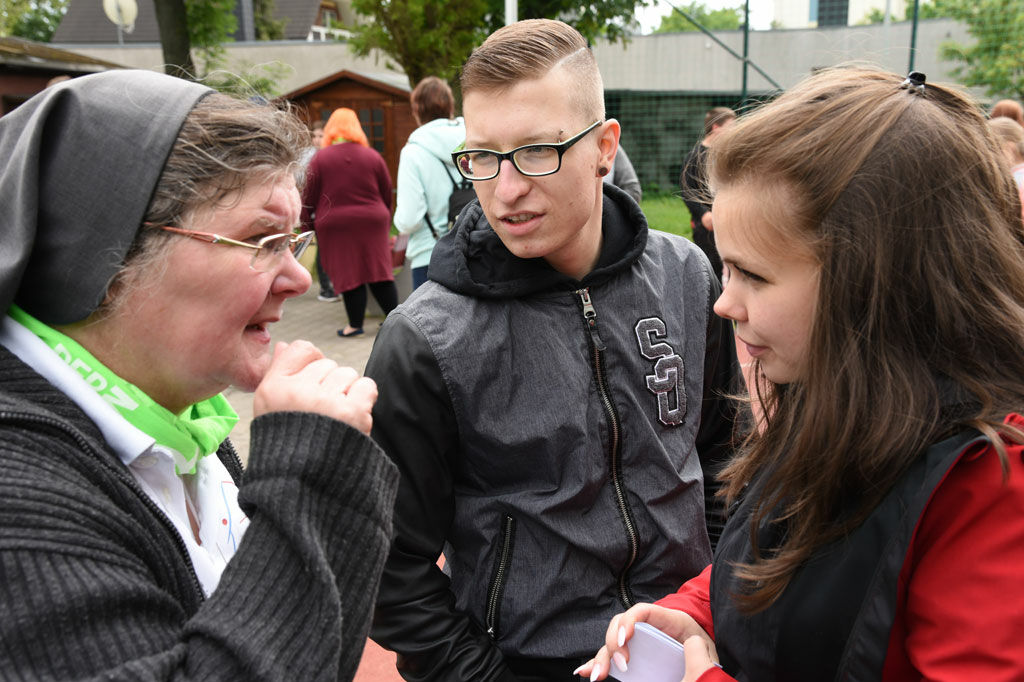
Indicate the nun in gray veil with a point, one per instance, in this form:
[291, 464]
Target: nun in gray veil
[147, 244]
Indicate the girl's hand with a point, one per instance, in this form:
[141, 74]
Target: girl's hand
[675, 624]
[699, 657]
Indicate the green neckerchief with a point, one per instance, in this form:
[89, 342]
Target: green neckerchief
[195, 433]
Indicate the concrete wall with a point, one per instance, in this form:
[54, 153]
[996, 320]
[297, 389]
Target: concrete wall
[692, 62]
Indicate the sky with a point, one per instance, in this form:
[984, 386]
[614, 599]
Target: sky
[760, 12]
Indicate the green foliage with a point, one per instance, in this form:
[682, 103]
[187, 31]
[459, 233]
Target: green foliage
[926, 10]
[245, 79]
[210, 25]
[427, 38]
[267, 27]
[993, 61]
[727, 19]
[608, 19]
[12, 11]
[31, 19]
[424, 37]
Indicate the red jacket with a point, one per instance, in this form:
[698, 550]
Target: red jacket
[961, 588]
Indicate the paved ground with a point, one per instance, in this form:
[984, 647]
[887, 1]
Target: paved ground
[307, 318]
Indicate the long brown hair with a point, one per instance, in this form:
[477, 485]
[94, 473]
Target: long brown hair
[919, 327]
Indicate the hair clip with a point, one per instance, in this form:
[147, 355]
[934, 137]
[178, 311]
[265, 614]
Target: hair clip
[914, 82]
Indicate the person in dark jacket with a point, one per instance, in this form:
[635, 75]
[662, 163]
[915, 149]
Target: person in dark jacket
[148, 245]
[553, 396]
[624, 177]
[876, 270]
[694, 187]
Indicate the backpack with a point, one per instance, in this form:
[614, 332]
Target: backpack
[462, 194]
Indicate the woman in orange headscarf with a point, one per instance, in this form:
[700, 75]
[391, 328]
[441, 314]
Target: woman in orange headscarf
[347, 200]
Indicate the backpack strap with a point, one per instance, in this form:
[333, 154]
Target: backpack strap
[455, 186]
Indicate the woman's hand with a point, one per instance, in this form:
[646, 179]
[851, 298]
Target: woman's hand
[301, 379]
[676, 624]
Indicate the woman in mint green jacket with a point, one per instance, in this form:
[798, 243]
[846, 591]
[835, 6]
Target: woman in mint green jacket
[426, 173]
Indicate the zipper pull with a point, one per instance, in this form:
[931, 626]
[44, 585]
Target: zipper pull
[590, 315]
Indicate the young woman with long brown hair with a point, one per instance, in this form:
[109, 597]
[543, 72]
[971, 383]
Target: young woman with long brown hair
[874, 249]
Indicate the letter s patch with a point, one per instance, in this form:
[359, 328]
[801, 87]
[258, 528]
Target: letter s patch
[667, 378]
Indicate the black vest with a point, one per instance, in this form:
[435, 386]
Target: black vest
[833, 620]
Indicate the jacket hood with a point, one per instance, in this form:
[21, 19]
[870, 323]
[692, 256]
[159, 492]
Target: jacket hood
[440, 137]
[472, 260]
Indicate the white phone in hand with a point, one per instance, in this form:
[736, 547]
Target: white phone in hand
[653, 657]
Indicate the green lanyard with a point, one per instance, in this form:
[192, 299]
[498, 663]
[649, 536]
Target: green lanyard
[195, 433]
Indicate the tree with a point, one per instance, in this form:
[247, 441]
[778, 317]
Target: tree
[267, 27]
[12, 11]
[32, 19]
[993, 61]
[728, 19]
[204, 26]
[427, 38]
[608, 19]
[424, 37]
[172, 22]
[925, 10]
[186, 24]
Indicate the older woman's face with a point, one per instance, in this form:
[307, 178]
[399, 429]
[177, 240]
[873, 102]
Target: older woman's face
[203, 324]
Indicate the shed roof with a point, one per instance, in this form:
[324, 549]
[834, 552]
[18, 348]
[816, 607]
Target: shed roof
[18, 52]
[394, 84]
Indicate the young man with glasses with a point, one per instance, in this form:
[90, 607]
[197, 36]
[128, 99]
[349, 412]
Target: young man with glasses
[551, 396]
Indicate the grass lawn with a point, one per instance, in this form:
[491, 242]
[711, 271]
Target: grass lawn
[667, 212]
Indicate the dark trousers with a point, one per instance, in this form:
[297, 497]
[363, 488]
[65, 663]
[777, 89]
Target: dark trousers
[385, 293]
[419, 276]
[545, 669]
[326, 288]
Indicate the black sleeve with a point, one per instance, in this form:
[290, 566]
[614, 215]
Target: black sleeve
[715, 437]
[692, 185]
[413, 421]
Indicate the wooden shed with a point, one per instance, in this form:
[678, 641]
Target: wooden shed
[380, 100]
[27, 66]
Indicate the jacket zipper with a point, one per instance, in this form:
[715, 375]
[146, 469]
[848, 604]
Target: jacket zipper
[126, 478]
[508, 527]
[597, 348]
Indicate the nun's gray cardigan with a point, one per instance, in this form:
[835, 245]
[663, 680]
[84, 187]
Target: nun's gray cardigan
[95, 582]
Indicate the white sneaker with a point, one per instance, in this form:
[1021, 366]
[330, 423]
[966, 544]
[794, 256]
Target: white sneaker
[327, 299]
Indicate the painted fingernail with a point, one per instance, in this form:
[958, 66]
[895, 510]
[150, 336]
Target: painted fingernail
[622, 636]
[577, 670]
[620, 661]
[595, 672]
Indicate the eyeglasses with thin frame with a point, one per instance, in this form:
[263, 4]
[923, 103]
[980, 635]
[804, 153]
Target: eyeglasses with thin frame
[269, 250]
[533, 160]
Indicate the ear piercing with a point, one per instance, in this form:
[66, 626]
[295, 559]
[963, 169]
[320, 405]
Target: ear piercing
[602, 171]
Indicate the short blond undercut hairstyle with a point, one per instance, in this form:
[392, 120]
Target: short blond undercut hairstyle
[530, 49]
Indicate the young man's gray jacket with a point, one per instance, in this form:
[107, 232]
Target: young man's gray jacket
[550, 435]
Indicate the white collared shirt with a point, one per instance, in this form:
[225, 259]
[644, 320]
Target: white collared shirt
[210, 492]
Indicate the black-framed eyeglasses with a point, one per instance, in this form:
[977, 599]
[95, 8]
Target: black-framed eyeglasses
[269, 250]
[532, 160]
